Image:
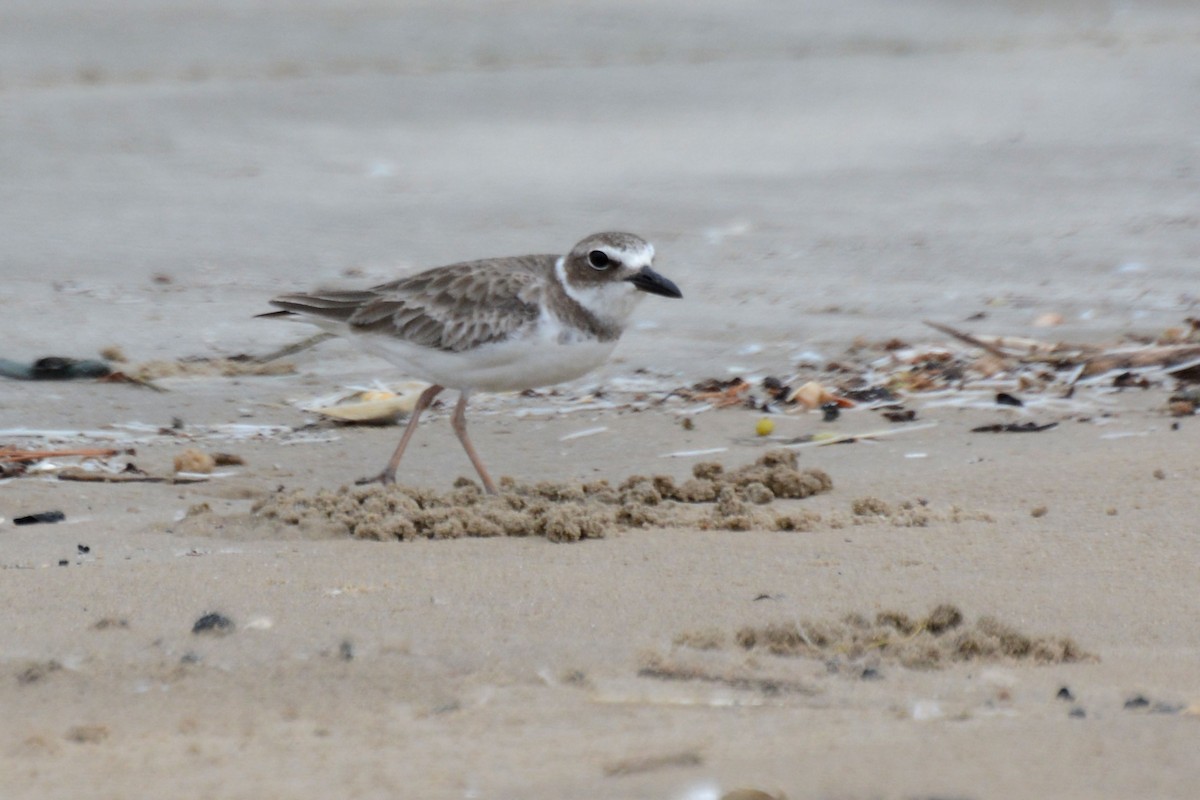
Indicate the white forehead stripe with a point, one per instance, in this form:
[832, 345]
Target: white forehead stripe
[636, 258]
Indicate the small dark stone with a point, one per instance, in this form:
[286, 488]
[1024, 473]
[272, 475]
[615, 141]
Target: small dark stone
[873, 394]
[1137, 701]
[1013, 427]
[831, 411]
[871, 674]
[1006, 399]
[62, 562]
[213, 623]
[762, 597]
[41, 516]
[346, 650]
[58, 368]
[1128, 380]
[1065, 694]
[35, 672]
[83, 549]
[1077, 713]
[777, 389]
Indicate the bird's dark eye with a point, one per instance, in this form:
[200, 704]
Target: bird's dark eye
[598, 259]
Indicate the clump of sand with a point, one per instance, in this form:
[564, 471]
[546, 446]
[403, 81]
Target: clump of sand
[739, 499]
[940, 638]
[905, 514]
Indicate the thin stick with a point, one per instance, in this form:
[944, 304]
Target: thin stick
[292, 349]
[12, 455]
[969, 339]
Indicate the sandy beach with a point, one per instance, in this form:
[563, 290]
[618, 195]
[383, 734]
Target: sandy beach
[820, 179]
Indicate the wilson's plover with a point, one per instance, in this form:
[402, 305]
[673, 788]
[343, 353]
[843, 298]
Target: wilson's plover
[494, 325]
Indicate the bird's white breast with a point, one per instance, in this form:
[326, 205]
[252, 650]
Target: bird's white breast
[549, 352]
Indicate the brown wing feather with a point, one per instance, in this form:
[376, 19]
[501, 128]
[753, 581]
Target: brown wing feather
[454, 308]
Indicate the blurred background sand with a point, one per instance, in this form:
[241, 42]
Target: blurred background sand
[810, 172]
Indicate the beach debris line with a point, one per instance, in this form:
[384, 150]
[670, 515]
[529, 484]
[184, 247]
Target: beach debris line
[15, 461]
[101, 465]
[130, 474]
[1014, 371]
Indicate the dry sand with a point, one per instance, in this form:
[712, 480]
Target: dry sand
[811, 174]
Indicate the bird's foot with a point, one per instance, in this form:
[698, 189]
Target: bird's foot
[384, 478]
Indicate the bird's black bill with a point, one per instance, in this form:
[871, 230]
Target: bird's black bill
[650, 281]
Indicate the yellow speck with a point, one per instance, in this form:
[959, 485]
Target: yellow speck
[765, 427]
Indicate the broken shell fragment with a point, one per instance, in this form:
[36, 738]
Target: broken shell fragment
[813, 395]
[193, 460]
[374, 407]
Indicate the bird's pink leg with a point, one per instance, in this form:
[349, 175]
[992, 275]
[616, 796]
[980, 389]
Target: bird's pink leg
[389, 472]
[459, 423]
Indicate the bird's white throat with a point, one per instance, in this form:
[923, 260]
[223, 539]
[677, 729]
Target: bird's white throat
[609, 301]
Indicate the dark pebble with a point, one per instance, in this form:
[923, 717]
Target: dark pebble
[831, 411]
[1065, 694]
[871, 674]
[1137, 701]
[43, 516]
[213, 623]
[1077, 713]
[62, 562]
[346, 650]
[1006, 399]
[83, 549]
[875, 394]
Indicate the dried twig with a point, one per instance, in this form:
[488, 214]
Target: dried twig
[8, 454]
[292, 349]
[971, 340]
[87, 476]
